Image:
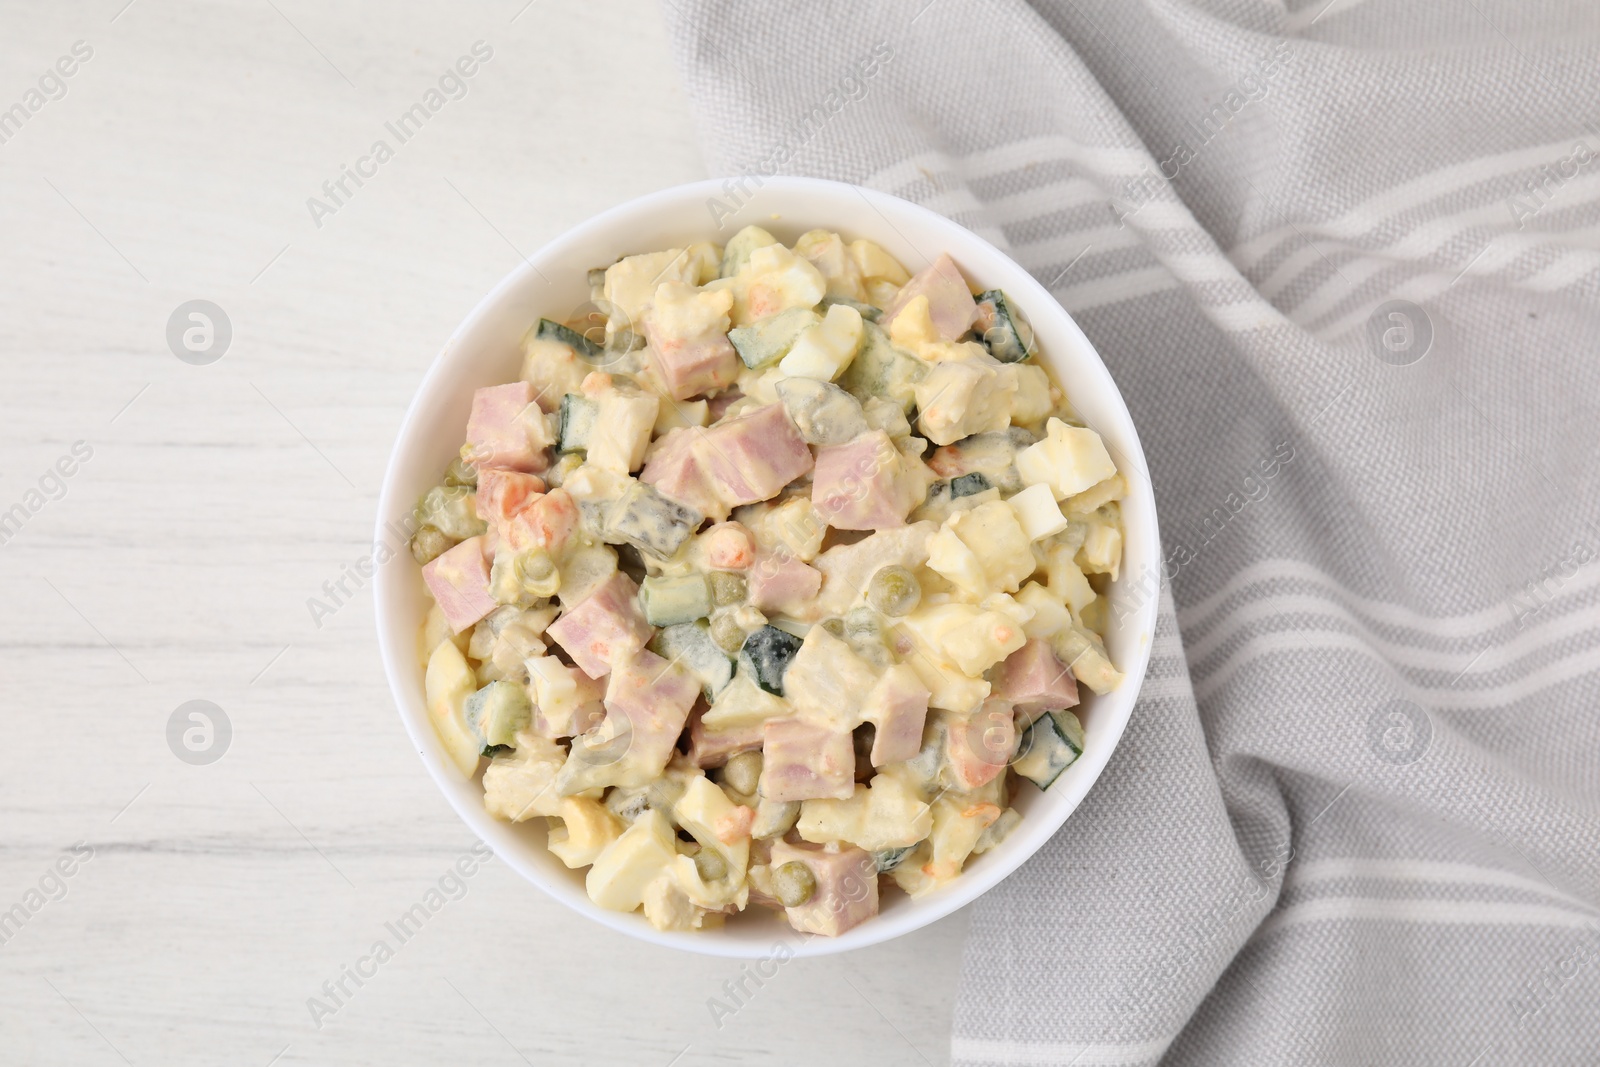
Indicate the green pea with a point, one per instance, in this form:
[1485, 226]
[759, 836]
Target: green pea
[727, 634]
[536, 564]
[428, 543]
[793, 884]
[894, 590]
[863, 625]
[743, 773]
[710, 865]
[728, 588]
[834, 627]
[536, 573]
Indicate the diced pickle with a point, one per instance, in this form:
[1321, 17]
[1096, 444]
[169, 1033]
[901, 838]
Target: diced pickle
[649, 521]
[1002, 330]
[667, 601]
[554, 331]
[727, 634]
[765, 655]
[969, 484]
[497, 711]
[577, 414]
[728, 588]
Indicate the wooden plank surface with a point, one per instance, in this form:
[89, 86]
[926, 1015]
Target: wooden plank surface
[208, 503]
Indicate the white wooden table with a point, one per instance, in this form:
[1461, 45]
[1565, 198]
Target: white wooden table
[175, 563]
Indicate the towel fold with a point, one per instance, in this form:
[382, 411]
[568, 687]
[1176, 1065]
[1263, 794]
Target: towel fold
[1343, 260]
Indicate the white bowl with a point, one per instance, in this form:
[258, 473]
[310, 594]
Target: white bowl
[485, 350]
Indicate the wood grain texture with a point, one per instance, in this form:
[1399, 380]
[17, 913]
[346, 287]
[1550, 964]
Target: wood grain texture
[179, 559]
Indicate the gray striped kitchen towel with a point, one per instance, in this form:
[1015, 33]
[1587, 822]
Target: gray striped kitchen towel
[1343, 259]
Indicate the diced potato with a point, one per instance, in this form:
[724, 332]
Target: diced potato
[1037, 512]
[949, 556]
[1031, 402]
[682, 311]
[983, 642]
[1102, 550]
[667, 906]
[792, 525]
[1067, 582]
[884, 814]
[674, 414]
[982, 548]
[826, 680]
[743, 703]
[553, 369]
[624, 868]
[1097, 496]
[911, 876]
[632, 283]
[1050, 615]
[992, 532]
[521, 785]
[622, 429]
[705, 259]
[930, 864]
[920, 640]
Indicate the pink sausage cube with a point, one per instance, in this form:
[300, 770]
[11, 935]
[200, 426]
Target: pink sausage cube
[861, 484]
[751, 457]
[650, 699]
[803, 761]
[718, 405]
[495, 431]
[950, 303]
[782, 583]
[689, 366]
[979, 747]
[740, 461]
[713, 748]
[673, 466]
[847, 887]
[603, 629]
[1035, 681]
[898, 709]
[459, 581]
